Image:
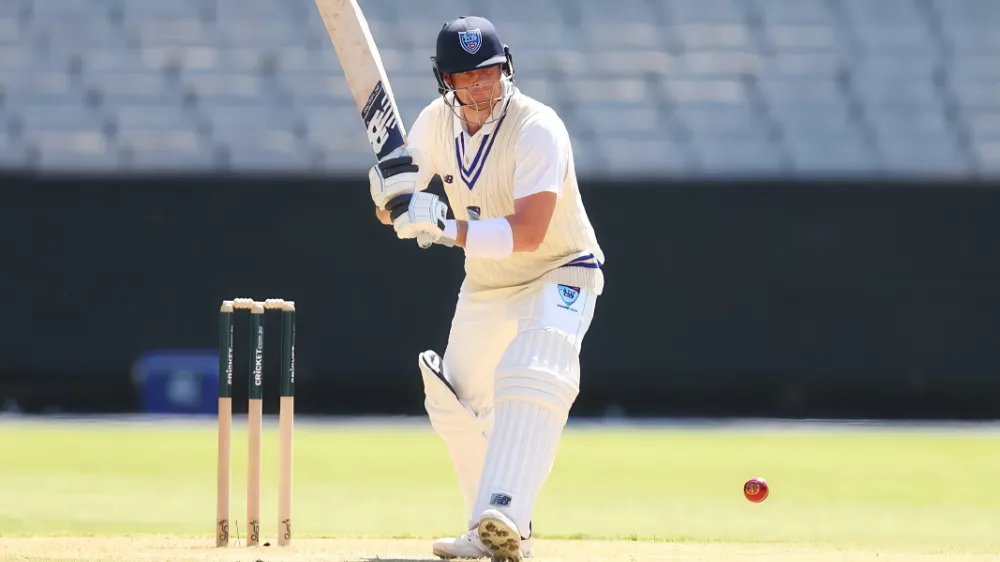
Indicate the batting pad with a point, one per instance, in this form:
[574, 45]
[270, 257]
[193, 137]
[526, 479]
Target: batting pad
[542, 367]
[465, 434]
[536, 384]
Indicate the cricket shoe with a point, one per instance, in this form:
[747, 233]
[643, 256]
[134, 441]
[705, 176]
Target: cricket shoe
[500, 536]
[469, 546]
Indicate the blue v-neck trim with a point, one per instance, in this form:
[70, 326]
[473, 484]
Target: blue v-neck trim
[471, 175]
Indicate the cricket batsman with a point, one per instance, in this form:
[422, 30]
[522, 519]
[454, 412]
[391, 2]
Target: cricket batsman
[501, 395]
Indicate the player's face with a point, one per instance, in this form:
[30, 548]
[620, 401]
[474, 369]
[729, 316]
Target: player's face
[479, 86]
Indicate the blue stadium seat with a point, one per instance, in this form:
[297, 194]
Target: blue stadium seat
[784, 92]
[736, 156]
[630, 156]
[803, 65]
[334, 126]
[895, 39]
[733, 121]
[923, 157]
[985, 128]
[112, 89]
[52, 117]
[805, 38]
[13, 153]
[617, 118]
[883, 12]
[21, 85]
[76, 150]
[162, 150]
[598, 36]
[845, 156]
[983, 12]
[974, 94]
[815, 12]
[880, 94]
[542, 89]
[621, 11]
[989, 157]
[973, 37]
[706, 11]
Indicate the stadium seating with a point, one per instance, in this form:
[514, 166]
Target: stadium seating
[647, 88]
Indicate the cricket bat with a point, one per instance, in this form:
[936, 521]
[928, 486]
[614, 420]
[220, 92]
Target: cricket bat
[359, 57]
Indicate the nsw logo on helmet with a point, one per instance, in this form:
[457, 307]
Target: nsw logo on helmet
[471, 40]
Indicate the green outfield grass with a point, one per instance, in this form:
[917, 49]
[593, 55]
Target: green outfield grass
[901, 490]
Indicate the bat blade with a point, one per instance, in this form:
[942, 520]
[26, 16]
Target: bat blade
[359, 57]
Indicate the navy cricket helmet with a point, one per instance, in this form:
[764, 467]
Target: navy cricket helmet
[468, 43]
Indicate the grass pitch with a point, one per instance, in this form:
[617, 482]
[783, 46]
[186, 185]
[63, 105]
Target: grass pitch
[146, 491]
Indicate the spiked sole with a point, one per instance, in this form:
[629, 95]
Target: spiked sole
[498, 534]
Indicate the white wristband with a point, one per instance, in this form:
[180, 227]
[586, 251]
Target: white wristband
[450, 229]
[491, 239]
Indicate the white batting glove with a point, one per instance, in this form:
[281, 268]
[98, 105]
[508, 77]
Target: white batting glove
[393, 179]
[423, 219]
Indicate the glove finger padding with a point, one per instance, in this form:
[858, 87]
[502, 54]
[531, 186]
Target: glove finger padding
[393, 178]
[398, 165]
[424, 216]
[425, 240]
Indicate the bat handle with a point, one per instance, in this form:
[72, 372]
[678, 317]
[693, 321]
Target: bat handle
[424, 241]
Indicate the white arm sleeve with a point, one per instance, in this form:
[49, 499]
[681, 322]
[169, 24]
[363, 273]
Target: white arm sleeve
[541, 156]
[419, 143]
